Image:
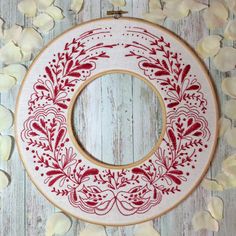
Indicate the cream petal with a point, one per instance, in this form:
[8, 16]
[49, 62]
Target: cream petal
[224, 125]
[6, 82]
[118, 3]
[226, 181]
[231, 5]
[44, 4]
[4, 180]
[10, 53]
[154, 4]
[230, 30]
[230, 109]
[91, 229]
[212, 185]
[225, 60]
[194, 6]
[17, 71]
[204, 220]
[228, 86]
[28, 8]
[6, 118]
[5, 147]
[55, 12]
[44, 22]
[216, 206]
[76, 5]
[155, 16]
[229, 165]
[58, 223]
[145, 229]
[230, 137]
[12, 34]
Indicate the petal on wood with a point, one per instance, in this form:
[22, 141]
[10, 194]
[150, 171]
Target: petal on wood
[194, 6]
[6, 82]
[17, 71]
[216, 206]
[154, 4]
[231, 5]
[76, 5]
[5, 147]
[10, 53]
[44, 22]
[118, 3]
[145, 229]
[6, 118]
[212, 185]
[225, 60]
[55, 12]
[12, 34]
[155, 16]
[228, 86]
[230, 137]
[58, 223]
[4, 180]
[30, 40]
[204, 220]
[230, 109]
[226, 181]
[44, 4]
[216, 15]
[230, 30]
[208, 46]
[91, 229]
[26, 56]
[229, 166]
[224, 125]
[28, 8]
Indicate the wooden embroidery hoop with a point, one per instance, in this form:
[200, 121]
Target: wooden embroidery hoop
[71, 105]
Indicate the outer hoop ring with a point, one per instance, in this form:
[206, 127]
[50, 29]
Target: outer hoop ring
[215, 104]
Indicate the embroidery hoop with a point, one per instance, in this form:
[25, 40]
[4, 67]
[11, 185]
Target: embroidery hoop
[112, 218]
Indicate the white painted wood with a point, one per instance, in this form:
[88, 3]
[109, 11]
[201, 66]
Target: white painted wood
[25, 211]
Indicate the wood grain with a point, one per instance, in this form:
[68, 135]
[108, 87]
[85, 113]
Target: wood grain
[123, 126]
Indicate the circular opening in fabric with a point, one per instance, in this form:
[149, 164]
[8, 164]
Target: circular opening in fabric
[118, 119]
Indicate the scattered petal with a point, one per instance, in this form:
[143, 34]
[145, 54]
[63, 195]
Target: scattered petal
[230, 109]
[224, 125]
[44, 4]
[118, 3]
[209, 46]
[194, 6]
[6, 82]
[216, 15]
[30, 40]
[225, 60]
[58, 223]
[55, 12]
[4, 180]
[44, 22]
[154, 4]
[175, 10]
[5, 147]
[229, 86]
[91, 229]
[229, 166]
[28, 8]
[231, 5]
[216, 206]
[76, 5]
[10, 53]
[203, 220]
[230, 137]
[6, 118]
[15, 70]
[230, 30]
[12, 34]
[155, 16]
[26, 56]
[226, 181]
[145, 229]
[212, 185]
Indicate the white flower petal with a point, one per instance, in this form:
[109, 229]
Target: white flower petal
[15, 70]
[118, 3]
[224, 125]
[6, 118]
[12, 34]
[58, 223]
[30, 40]
[44, 22]
[26, 56]
[6, 82]
[208, 46]
[10, 53]
[155, 16]
[229, 166]
[228, 86]
[216, 206]
[91, 229]
[55, 12]
[230, 137]
[194, 5]
[154, 4]
[28, 8]
[230, 30]
[216, 15]
[176, 10]
[4, 180]
[230, 109]
[226, 181]
[212, 185]
[44, 4]
[145, 229]
[231, 5]
[5, 147]
[225, 60]
[203, 220]
[76, 5]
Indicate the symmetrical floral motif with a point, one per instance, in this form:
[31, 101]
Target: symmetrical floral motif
[97, 190]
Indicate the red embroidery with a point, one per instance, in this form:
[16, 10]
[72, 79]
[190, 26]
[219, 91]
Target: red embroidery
[99, 190]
